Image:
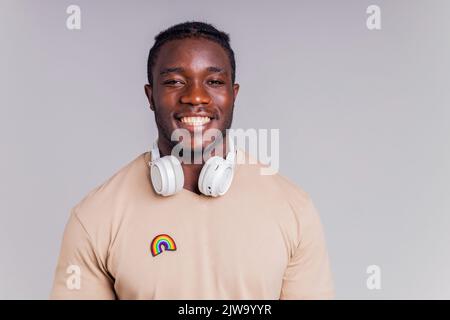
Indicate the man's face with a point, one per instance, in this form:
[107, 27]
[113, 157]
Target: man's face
[192, 89]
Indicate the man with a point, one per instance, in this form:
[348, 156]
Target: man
[260, 238]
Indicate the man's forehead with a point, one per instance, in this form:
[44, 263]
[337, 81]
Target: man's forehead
[198, 54]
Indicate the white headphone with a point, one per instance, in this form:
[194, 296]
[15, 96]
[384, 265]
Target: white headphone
[215, 178]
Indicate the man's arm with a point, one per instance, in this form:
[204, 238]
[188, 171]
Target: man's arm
[80, 273]
[308, 275]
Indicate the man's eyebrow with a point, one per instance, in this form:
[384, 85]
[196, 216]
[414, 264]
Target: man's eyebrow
[171, 70]
[180, 70]
[215, 69]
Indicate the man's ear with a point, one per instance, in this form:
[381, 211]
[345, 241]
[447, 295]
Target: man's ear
[149, 93]
[235, 90]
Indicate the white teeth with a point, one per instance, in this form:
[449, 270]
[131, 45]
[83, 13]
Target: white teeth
[195, 121]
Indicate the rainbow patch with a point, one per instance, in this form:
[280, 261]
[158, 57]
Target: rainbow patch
[162, 241]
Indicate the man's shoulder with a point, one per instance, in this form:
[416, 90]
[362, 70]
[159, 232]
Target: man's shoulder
[104, 200]
[294, 194]
[276, 185]
[290, 188]
[251, 166]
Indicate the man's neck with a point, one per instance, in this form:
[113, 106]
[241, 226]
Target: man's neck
[191, 174]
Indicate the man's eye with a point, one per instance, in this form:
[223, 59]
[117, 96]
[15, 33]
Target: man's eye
[215, 82]
[173, 82]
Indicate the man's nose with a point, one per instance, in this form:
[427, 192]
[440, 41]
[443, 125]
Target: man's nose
[196, 94]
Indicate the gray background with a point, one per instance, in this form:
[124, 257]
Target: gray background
[364, 119]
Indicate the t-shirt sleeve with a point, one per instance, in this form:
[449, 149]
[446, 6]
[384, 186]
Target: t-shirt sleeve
[308, 274]
[80, 271]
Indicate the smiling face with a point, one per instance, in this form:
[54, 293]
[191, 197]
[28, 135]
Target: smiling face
[192, 89]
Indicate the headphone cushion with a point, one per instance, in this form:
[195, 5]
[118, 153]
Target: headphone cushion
[215, 177]
[167, 175]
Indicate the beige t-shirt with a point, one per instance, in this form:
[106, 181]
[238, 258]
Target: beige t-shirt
[262, 240]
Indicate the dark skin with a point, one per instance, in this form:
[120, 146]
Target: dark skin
[191, 77]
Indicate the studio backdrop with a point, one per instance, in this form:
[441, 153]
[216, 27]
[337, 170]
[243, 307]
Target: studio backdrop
[359, 91]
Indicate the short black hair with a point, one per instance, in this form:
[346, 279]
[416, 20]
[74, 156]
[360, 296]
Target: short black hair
[190, 29]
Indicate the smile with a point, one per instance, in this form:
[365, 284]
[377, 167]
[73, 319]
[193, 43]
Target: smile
[195, 121]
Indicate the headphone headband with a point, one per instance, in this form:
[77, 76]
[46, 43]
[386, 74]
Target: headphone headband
[231, 155]
[155, 151]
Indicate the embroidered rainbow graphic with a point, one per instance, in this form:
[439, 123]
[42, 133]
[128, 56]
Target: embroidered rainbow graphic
[162, 241]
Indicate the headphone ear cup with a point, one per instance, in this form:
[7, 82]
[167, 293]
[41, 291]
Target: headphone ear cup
[178, 171]
[167, 175]
[205, 176]
[215, 177]
[226, 179]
